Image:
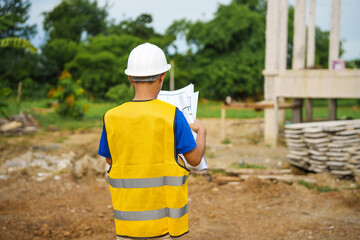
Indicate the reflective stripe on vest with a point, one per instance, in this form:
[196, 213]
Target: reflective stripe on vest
[148, 182]
[151, 214]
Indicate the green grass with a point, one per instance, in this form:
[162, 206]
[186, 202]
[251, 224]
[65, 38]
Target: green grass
[226, 141]
[318, 188]
[246, 166]
[320, 111]
[211, 109]
[92, 119]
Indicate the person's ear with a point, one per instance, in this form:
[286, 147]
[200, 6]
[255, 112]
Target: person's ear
[132, 82]
[163, 75]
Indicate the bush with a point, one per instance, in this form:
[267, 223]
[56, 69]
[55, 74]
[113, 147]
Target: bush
[120, 93]
[68, 93]
[4, 94]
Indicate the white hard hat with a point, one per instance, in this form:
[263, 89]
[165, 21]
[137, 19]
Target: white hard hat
[146, 60]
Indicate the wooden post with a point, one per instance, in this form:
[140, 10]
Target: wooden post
[334, 49]
[332, 107]
[309, 109]
[223, 116]
[258, 114]
[172, 77]
[19, 92]
[297, 112]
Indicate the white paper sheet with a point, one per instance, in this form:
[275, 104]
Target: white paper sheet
[186, 101]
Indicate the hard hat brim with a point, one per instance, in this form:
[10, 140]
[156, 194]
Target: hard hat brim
[137, 74]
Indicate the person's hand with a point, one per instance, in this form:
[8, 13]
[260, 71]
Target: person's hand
[197, 126]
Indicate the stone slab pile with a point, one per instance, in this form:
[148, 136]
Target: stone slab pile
[332, 146]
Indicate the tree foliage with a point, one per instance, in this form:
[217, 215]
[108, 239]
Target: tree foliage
[14, 14]
[73, 18]
[100, 64]
[55, 54]
[16, 62]
[227, 53]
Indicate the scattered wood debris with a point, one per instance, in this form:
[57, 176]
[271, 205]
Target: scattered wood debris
[19, 124]
[237, 175]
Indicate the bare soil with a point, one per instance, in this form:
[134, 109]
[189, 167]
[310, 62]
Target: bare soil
[63, 207]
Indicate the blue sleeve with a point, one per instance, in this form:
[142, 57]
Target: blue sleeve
[103, 146]
[185, 141]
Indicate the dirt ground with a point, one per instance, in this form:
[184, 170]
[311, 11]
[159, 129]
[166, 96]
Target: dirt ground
[61, 206]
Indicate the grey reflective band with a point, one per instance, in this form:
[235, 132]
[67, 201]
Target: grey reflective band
[147, 182]
[151, 214]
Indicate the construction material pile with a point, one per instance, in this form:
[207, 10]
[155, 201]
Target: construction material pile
[48, 164]
[325, 146]
[18, 124]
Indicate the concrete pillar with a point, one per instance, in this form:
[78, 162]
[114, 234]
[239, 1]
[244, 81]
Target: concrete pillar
[272, 36]
[298, 58]
[298, 61]
[334, 47]
[334, 32]
[311, 36]
[283, 46]
[283, 34]
[310, 61]
[271, 69]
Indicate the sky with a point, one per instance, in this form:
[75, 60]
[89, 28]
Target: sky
[164, 12]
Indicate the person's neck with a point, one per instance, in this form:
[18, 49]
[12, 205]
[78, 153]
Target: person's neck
[144, 94]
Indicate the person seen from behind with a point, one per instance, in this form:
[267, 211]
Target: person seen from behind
[141, 140]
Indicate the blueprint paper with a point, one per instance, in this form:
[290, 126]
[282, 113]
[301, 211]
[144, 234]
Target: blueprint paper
[186, 101]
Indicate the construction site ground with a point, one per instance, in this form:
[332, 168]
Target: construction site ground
[61, 206]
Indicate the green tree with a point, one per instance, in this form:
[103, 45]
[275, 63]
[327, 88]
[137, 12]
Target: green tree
[101, 61]
[100, 64]
[226, 54]
[66, 25]
[72, 19]
[140, 27]
[55, 54]
[16, 62]
[14, 14]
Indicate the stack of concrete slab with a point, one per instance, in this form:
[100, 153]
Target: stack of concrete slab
[325, 146]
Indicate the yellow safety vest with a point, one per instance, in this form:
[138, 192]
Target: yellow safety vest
[147, 183]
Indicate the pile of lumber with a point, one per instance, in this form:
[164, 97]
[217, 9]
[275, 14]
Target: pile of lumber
[325, 146]
[18, 124]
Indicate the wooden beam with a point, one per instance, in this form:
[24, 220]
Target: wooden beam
[309, 109]
[332, 107]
